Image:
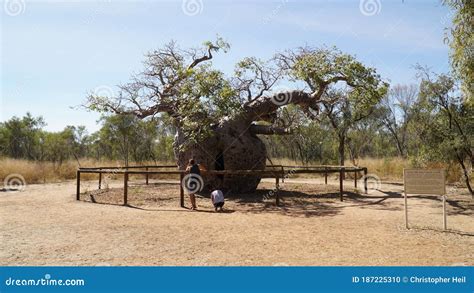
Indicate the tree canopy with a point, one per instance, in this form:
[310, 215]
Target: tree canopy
[184, 84]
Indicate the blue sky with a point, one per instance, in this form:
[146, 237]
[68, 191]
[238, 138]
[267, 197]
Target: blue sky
[54, 52]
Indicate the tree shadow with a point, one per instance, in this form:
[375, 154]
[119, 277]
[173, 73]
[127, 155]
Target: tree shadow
[449, 231]
[115, 200]
[393, 183]
[185, 209]
[460, 209]
[10, 189]
[317, 203]
[292, 203]
[456, 205]
[353, 199]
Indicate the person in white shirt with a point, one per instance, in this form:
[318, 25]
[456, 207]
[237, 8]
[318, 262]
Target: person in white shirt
[217, 198]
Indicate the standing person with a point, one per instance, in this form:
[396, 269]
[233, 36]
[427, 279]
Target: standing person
[217, 198]
[193, 168]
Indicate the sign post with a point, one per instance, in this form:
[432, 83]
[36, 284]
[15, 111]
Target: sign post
[445, 226]
[419, 181]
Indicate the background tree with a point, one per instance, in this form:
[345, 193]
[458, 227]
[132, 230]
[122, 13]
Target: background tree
[127, 136]
[447, 124]
[344, 110]
[20, 137]
[362, 138]
[396, 115]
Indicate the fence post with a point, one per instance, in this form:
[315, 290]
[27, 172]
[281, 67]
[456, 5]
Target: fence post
[326, 175]
[78, 187]
[365, 181]
[341, 183]
[100, 180]
[146, 175]
[125, 188]
[181, 190]
[355, 179]
[277, 190]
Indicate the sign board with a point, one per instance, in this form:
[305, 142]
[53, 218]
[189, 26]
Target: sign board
[419, 181]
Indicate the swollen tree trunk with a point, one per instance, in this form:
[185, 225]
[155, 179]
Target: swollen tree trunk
[233, 146]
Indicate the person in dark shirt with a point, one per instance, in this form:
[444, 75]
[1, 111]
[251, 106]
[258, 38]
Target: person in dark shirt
[193, 168]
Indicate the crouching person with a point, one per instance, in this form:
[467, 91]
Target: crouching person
[217, 198]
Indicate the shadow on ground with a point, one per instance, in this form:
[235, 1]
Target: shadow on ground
[295, 200]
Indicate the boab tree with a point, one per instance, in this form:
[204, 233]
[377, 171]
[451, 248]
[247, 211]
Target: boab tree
[218, 117]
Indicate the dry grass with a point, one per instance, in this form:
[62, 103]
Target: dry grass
[388, 168]
[44, 172]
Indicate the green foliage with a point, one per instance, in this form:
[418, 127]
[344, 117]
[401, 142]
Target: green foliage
[321, 66]
[122, 137]
[131, 139]
[461, 40]
[446, 122]
[20, 138]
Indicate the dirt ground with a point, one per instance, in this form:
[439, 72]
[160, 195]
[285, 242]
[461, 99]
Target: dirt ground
[45, 225]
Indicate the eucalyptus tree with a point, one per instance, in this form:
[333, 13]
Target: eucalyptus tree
[447, 124]
[397, 114]
[344, 109]
[218, 117]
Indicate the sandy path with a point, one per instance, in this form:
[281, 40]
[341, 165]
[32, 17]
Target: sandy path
[44, 225]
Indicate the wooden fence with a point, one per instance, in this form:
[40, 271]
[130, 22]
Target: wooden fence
[274, 171]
